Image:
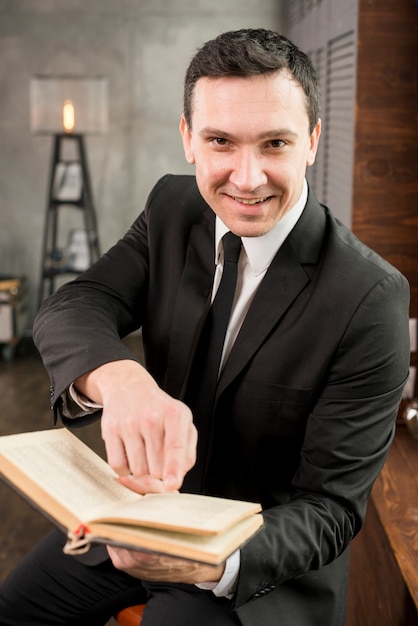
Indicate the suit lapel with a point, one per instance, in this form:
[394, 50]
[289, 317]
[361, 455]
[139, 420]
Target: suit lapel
[282, 283]
[192, 304]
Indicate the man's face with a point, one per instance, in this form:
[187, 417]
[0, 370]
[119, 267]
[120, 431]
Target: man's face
[250, 144]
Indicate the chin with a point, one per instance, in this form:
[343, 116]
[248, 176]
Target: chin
[245, 224]
[248, 225]
[251, 230]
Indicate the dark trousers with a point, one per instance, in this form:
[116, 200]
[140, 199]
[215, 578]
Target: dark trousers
[49, 588]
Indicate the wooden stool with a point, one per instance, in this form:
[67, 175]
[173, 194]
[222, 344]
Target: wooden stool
[131, 616]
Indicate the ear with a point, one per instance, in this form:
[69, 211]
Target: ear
[313, 144]
[186, 135]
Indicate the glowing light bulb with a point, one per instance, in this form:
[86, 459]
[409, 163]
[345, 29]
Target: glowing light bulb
[68, 116]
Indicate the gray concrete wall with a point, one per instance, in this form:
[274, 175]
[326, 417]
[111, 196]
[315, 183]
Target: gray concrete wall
[143, 48]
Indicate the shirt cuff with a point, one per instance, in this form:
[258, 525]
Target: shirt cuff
[75, 405]
[82, 401]
[227, 585]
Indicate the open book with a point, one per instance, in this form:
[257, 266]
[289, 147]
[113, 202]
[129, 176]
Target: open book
[75, 488]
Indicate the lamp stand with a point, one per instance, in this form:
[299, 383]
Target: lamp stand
[69, 185]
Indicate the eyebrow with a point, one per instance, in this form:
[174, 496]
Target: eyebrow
[209, 131]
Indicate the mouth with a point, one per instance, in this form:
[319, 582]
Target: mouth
[251, 201]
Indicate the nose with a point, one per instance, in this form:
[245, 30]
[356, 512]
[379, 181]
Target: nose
[247, 171]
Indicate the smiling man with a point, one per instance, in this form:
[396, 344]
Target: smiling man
[308, 379]
[252, 156]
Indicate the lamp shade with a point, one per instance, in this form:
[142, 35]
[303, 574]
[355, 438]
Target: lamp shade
[72, 104]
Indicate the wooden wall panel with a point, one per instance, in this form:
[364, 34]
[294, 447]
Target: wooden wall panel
[385, 178]
[385, 186]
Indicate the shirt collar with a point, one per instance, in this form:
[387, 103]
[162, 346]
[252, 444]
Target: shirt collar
[261, 251]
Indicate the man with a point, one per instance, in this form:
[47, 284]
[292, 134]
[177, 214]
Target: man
[314, 362]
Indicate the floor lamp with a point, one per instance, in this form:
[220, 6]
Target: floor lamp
[68, 108]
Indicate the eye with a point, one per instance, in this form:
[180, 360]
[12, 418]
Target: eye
[277, 143]
[219, 141]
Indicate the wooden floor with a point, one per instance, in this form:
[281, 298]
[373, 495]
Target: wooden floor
[24, 398]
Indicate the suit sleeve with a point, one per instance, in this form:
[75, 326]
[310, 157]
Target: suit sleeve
[80, 326]
[347, 438]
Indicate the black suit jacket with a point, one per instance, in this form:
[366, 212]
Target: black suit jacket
[307, 400]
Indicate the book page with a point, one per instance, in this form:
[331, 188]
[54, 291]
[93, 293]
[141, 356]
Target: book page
[67, 470]
[183, 512]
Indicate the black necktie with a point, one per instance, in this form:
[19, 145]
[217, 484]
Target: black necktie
[205, 370]
[218, 317]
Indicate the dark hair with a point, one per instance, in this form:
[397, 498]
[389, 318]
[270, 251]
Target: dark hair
[250, 52]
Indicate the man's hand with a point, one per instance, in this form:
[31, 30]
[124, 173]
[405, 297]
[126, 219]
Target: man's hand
[163, 568]
[149, 436]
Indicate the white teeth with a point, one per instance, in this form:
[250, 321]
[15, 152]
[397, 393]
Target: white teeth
[250, 202]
